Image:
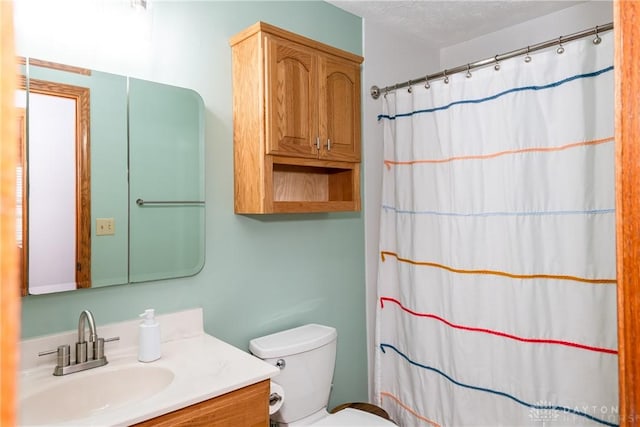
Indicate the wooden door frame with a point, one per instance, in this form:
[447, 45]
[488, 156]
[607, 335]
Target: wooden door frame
[21, 132]
[627, 136]
[9, 265]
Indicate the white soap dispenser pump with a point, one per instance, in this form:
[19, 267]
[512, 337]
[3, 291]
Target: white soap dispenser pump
[149, 342]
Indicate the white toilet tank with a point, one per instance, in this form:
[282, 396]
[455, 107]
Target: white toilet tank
[309, 355]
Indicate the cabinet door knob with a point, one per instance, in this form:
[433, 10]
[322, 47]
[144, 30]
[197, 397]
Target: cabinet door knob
[317, 143]
[328, 144]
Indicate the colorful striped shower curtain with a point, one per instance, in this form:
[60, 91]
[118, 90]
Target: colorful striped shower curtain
[496, 283]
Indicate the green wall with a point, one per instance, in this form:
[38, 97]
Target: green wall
[262, 273]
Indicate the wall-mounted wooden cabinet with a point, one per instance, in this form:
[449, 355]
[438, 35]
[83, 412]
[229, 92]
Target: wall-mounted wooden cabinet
[296, 119]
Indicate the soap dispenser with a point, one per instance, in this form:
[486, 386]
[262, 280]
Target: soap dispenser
[149, 334]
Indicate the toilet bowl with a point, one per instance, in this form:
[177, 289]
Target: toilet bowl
[344, 418]
[306, 358]
[353, 417]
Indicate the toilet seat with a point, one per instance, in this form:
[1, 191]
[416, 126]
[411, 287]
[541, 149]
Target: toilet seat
[352, 417]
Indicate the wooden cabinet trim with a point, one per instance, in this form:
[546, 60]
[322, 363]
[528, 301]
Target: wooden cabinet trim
[316, 45]
[627, 136]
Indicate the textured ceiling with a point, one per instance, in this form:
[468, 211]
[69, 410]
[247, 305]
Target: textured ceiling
[445, 23]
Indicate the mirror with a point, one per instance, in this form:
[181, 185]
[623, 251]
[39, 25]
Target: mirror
[166, 181]
[113, 179]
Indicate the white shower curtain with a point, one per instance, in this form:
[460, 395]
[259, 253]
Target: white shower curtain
[496, 284]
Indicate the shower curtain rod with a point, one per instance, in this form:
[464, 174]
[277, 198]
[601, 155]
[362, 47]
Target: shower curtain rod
[444, 74]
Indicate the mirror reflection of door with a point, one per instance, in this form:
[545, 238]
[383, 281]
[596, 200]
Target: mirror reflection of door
[57, 246]
[21, 200]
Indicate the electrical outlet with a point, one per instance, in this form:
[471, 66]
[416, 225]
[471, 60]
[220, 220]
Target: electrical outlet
[105, 226]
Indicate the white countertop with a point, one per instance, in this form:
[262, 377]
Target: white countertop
[203, 366]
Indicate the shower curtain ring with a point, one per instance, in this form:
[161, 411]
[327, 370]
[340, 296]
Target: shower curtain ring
[386, 91]
[497, 66]
[410, 89]
[426, 82]
[560, 50]
[527, 58]
[446, 78]
[468, 71]
[597, 39]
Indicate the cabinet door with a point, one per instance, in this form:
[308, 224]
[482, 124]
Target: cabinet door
[246, 407]
[340, 110]
[292, 99]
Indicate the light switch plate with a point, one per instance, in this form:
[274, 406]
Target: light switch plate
[105, 227]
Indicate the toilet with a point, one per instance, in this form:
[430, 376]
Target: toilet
[306, 357]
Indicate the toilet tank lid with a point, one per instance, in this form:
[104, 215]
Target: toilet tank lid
[292, 341]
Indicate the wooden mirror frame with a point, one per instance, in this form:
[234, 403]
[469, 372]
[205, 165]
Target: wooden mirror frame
[81, 97]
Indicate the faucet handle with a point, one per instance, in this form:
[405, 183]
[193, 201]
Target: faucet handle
[98, 349]
[63, 354]
[98, 346]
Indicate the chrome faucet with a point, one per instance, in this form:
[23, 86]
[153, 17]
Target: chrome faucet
[81, 344]
[82, 362]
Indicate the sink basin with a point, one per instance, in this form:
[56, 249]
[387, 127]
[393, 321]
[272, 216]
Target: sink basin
[83, 394]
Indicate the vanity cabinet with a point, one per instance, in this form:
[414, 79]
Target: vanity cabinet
[248, 407]
[297, 125]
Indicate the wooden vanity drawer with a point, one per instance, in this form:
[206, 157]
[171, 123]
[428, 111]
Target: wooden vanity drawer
[247, 407]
